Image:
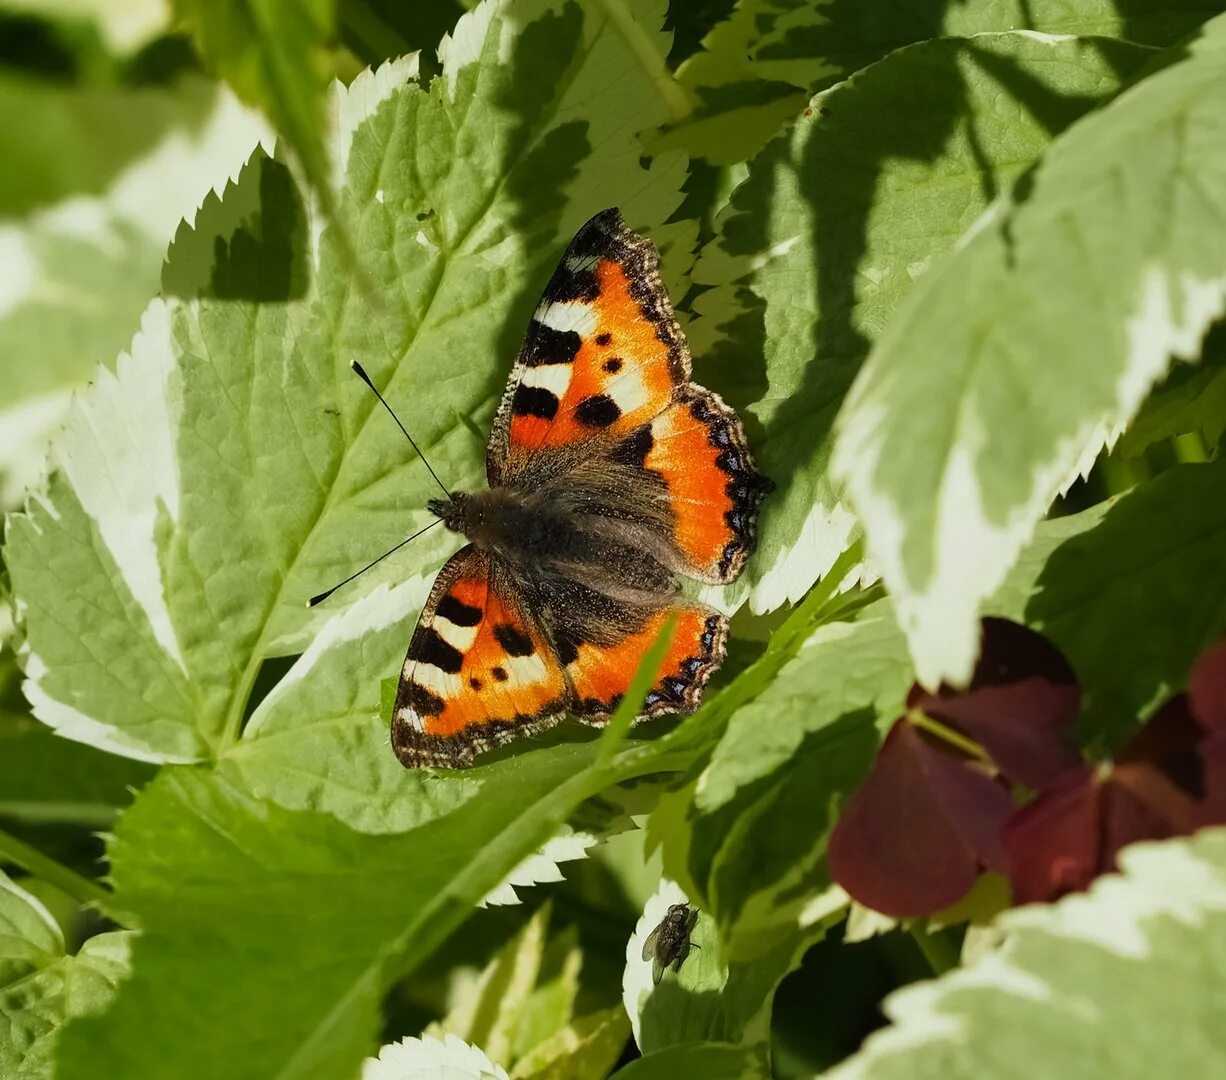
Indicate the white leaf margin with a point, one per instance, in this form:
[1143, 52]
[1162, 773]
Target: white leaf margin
[450, 1058]
[151, 196]
[117, 446]
[53, 943]
[637, 982]
[1181, 879]
[972, 555]
[568, 844]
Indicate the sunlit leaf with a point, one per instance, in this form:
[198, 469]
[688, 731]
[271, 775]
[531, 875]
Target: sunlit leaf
[759, 67]
[839, 217]
[94, 186]
[1033, 344]
[41, 986]
[1052, 997]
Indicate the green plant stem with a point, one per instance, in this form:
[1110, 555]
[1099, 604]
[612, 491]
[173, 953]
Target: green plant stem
[947, 734]
[55, 873]
[937, 950]
[377, 38]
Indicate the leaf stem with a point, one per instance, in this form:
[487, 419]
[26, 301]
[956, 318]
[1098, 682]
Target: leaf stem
[643, 44]
[947, 734]
[936, 948]
[55, 873]
[376, 37]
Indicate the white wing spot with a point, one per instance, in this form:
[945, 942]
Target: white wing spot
[569, 315]
[458, 637]
[552, 377]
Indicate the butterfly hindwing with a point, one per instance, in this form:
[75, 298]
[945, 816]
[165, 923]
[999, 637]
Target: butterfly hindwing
[599, 674]
[479, 670]
[602, 355]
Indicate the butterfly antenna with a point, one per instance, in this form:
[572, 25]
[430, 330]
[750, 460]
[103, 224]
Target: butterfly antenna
[366, 379]
[324, 595]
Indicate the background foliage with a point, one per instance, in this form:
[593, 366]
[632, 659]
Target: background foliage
[959, 268]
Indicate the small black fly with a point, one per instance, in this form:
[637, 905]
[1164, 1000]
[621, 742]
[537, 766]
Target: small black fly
[669, 943]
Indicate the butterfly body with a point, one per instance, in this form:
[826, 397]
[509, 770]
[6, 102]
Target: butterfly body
[610, 474]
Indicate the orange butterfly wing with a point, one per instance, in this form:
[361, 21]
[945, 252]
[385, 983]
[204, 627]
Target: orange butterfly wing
[605, 366]
[600, 388]
[602, 356]
[479, 670]
[600, 676]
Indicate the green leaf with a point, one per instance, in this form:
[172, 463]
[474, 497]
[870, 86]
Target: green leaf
[900, 176]
[46, 779]
[41, 986]
[709, 999]
[685, 1005]
[520, 1010]
[712, 1061]
[586, 1049]
[273, 53]
[1190, 400]
[96, 181]
[238, 893]
[759, 67]
[276, 472]
[1131, 591]
[1014, 360]
[766, 803]
[230, 469]
[125, 25]
[1052, 995]
[490, 1013]
[29, 936]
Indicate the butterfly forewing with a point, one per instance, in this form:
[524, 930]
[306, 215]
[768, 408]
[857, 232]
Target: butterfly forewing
[602, 355]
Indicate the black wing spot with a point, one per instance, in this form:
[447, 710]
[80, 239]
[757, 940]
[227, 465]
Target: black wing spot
[535, 401]
[633, 449]
[613, 365]
[569, 285]
[549, 346]
[599, 410]
[567, 647]
[475, 683]
[457, 612]
[515, 641]
[422, 701]
[604, 339]
[499, 673]
[429, 648]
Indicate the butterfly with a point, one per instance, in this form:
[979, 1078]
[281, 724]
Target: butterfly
[669, 943]
[609, 473]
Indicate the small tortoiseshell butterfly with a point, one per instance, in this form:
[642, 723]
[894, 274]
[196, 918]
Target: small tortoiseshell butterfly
[609, 472]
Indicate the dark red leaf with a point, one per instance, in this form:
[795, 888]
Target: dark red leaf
[1207, 688]
[917, 832]
[1053, 842]
[1170, 742]
[1021, 700]
[1211, 809]
[1074, 829]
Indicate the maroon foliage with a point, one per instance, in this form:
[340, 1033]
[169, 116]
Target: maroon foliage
[1168, 781]
[1022, 698]
[928, 819]
[917, 832]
